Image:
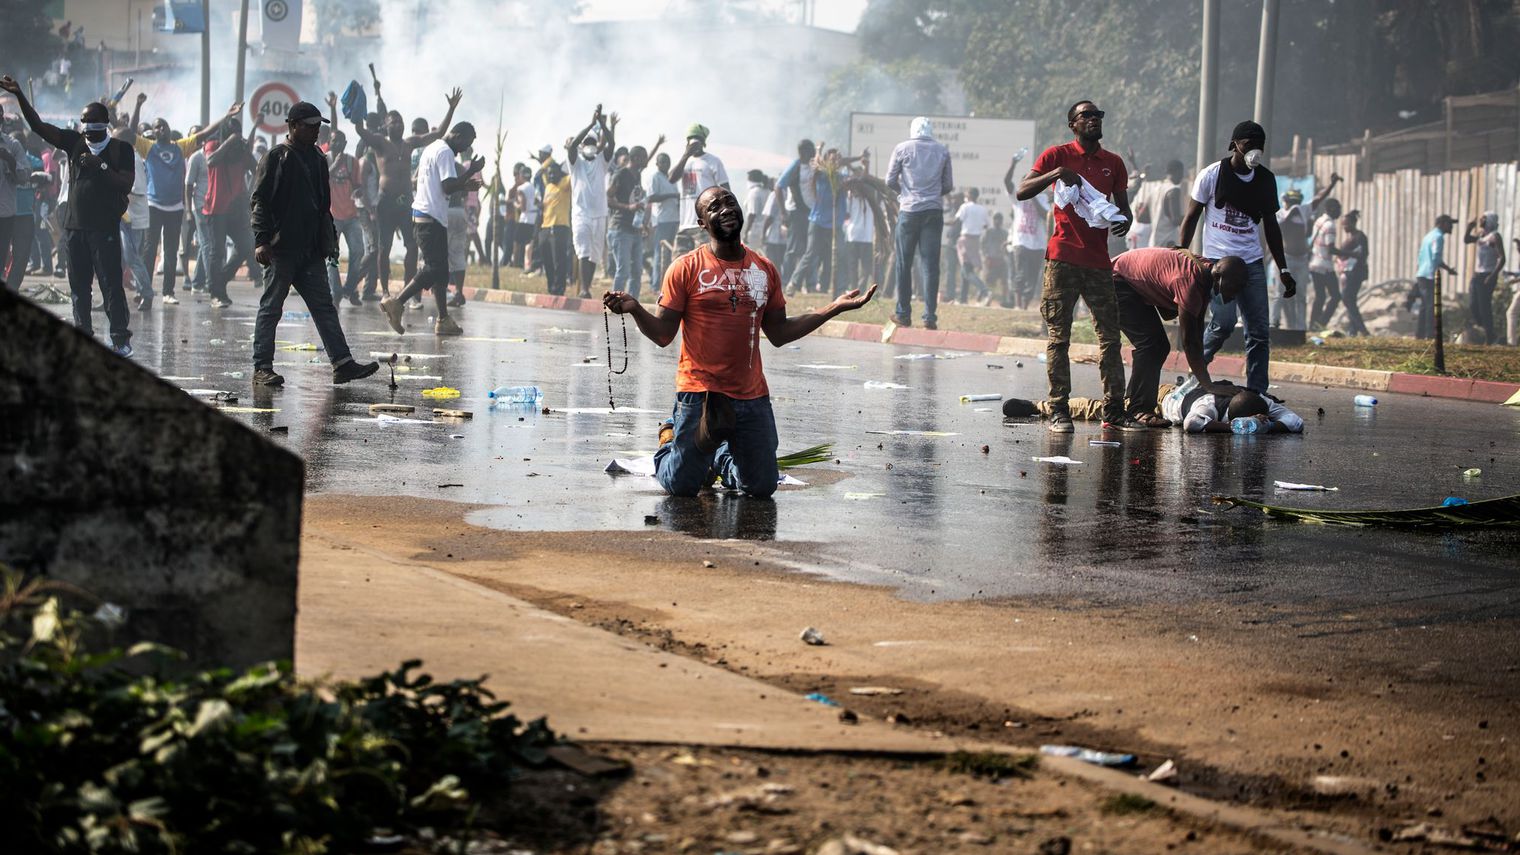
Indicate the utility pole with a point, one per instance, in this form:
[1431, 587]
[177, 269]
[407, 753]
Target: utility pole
[242, 50]
[1266, 63]
[205, 62]
[1440, 333]
[1208, 84]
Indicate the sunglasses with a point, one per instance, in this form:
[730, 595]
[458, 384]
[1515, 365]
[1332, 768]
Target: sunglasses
[1090, 114]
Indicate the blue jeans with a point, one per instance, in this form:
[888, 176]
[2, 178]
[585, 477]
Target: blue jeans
[1251, 305]
[628, 260]
[352, 231]
[309, 276]
[664, 233]
[200, 280]
[746, 462]
[132, 259]
[918, 230]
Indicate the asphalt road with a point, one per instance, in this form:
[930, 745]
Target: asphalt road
[934, 516]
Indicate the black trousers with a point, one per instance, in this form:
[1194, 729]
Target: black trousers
[96, 255]
[19, 245]
[165, 224]
[432, 240]
[1141, 324]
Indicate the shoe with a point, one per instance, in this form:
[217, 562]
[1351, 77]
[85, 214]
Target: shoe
[353, 299]
[930, 325]
[667, 432]
[1061, 423]
[137, 302]
[267, 377]
[415, 304]
[584, 294]
[1128, 424]
[902, 320]
[144, 303]
[171, 300]
[393, 311]
[370, 297]
[124, 350]
[457, 301]
[220, 302]
[446, 326]
[352, 370]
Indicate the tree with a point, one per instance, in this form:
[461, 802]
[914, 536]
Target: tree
[27, 40]
[909, 86]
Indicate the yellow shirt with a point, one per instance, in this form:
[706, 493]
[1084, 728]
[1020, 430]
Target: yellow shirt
[187, 146]
[557, 203]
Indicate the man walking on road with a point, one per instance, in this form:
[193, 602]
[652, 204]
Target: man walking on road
[294, 237]
[437, 177]
[1432, 259]
[720, 297]
[1232, 197]
[1077, 264]
[101, 173]
[919, 173]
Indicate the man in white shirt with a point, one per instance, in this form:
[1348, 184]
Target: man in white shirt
[665, 213]
[1166, 218]
[696, 171]
[134, 233]
[770, 226]
[589, 155]
[437, 177]
[974, 220]
[1296, 222]
[1231, 198]
[857, 253]
[1027, 240]
[754, 207]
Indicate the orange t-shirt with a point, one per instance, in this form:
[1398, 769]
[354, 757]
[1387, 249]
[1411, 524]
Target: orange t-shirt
[721, 305]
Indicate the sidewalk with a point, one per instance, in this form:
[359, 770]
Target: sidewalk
[1458, 388]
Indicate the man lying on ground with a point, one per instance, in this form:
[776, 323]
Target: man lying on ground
[1198, 409]
[720, 297]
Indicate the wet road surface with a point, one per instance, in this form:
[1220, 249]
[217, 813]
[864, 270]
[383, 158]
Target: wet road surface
[932, 515]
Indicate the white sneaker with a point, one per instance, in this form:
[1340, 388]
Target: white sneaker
[171, 300]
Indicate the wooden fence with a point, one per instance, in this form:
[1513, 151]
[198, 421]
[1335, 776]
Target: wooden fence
[1398, 208]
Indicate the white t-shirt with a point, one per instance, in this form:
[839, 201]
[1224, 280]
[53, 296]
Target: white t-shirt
[655, 183]
[527, 202]
[859, 223]
[588, 187]
[434, 166]
[1029, 223]
[137, 202]
[1306, 215]
[1226, 231]
[1205, 409]
[702, 172]
[773, 229]
[973, 218]
[1165, 228]
[754, 209]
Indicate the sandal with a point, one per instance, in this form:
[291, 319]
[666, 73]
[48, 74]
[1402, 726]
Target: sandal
[1151, 420]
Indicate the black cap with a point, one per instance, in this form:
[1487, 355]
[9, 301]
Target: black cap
[1248, 130]
[302, 113]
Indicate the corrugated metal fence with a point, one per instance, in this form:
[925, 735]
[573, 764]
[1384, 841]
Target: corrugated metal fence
[1398, 208]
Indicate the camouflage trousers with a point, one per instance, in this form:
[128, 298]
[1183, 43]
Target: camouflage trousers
[1091, 409]
[1064, 285]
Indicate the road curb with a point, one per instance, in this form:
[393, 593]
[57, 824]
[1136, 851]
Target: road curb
[1366, 379]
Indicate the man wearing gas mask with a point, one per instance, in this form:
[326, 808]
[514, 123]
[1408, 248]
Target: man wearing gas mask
[1233, 198]
[101, 173]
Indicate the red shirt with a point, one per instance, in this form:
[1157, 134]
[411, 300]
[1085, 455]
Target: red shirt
[721, 305]
[226, 182]
[343, 183]
[1074, 241]
[1165, 277]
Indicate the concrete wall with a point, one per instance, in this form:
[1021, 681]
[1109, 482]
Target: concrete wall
[124, 485]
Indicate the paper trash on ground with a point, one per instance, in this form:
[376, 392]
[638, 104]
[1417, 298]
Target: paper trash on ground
[912, 433]
[600, 411]
[383, 419]
[983, 396]
[883, 384]
[1060, 460]
[821, 366]
[1289, 485]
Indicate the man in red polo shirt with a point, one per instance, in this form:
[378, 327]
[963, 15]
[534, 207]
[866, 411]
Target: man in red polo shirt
[1153, 284]
[1077, 264]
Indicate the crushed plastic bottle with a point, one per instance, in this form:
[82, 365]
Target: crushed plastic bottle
[1470, 474]
[1088, 755]
[515, 395]
[1364, 401]
[1245, 425]
[296, 316]
[1453, 502]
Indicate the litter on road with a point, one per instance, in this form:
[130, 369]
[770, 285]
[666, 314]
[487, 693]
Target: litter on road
[441, 393]
[1104, 443]
[827, 367]
[1490, 512]
[872, 691]
[1088, 755]
[912, 433]
[383, 419]
[812, 636]
[984, 396]
[821, 698]
[1059, 460]
[883, 384]
[645, 466]
[1319, 488]
[392, 409]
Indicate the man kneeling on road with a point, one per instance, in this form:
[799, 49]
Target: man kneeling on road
[720, 297]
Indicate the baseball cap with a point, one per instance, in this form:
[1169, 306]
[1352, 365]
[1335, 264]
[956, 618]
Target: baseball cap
[697, 130]
[305, 113]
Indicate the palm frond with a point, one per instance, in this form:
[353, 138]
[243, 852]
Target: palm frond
[1489, 512]
[816, 454]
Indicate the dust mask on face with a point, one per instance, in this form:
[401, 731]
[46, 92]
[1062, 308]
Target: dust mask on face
[588, 151]
[1253, 157]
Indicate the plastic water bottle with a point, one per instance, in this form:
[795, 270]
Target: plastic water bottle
[515, 395]
[1245, 424]
[1364, 401]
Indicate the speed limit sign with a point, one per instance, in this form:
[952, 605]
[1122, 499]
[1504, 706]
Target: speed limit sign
[269, 105]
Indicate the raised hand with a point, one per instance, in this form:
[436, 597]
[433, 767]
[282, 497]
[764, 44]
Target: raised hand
[235, 109]
[613, 120]
[142, 98]
[596, 115]
[332, 99]
[659, 141]
[10, 85]
[454, 96]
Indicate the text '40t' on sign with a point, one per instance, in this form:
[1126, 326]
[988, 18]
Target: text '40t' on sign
[270, 105]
